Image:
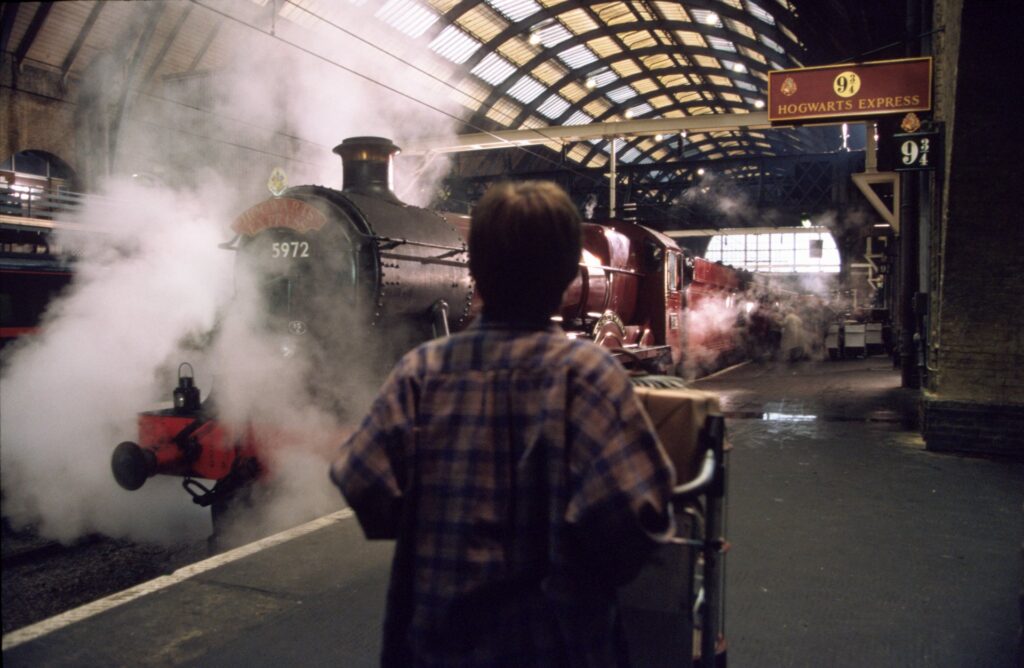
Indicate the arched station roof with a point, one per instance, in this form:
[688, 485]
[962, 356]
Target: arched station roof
[520, 63]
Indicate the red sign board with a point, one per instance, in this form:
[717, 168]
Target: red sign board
[850, 91]
[279, 212]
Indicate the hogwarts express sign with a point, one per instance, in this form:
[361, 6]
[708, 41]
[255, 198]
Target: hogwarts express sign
[850, 90]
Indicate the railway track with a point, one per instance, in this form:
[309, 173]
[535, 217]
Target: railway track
[43, 578]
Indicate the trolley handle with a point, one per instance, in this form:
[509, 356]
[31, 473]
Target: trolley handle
[711, 477]
[703, 480]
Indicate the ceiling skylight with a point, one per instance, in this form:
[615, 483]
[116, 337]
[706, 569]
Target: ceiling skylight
[526, 89]
[759, 12]
[554, 106]
[553, 35]
[515, 10]
[621, 94]
[721, 44]
[640, 110]
[407, 16]
[455, 45]
[493, 69]
[579, 118]
[578, 56]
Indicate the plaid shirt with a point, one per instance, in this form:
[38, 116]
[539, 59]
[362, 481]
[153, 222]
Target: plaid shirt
[523, 482]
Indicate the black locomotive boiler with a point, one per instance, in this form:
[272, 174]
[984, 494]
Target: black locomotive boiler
[344, 276]
[356, 260]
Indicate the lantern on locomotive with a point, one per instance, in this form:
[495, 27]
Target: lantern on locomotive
[341, 273]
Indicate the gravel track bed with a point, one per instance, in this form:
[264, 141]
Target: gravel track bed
[42, 578]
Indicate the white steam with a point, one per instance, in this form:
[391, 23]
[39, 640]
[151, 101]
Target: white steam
[150, 276]
[152, 289]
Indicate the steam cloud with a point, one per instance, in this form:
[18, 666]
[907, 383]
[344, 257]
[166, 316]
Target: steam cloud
[151, 288]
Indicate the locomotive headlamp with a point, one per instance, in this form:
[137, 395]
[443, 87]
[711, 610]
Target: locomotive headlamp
[186, 394]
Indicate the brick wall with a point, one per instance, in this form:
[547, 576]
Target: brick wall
[978, 315]
[34, 115]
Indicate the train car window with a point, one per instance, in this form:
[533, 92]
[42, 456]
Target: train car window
[673, 266]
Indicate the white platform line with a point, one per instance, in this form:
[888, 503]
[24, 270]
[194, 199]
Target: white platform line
[28, 633]
[722, 371]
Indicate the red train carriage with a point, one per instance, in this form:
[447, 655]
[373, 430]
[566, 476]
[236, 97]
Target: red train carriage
[628, 295]
[713, 327]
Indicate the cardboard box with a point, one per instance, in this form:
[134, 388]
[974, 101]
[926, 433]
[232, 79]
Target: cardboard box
[678, 416]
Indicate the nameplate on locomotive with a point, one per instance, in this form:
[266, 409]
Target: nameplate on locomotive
[279, 212]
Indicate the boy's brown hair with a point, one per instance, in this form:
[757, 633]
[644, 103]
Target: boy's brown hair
[524, 249]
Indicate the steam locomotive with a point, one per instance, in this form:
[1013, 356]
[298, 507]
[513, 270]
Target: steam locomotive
[327, 258]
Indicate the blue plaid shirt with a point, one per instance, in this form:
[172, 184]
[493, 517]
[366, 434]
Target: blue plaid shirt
[523, 482]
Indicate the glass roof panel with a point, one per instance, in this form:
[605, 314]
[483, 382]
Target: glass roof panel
[672, 80]
[657, 62]
[614, 13]
[603, 78]
[517, 50]
[574, 92]
[493, 69]
[640, 110]
[621, 94]
[526, 89]
[554, 106]
[578, 21]
[626, 67]
[768, 41]
[740, 28]
[455, 45]
[579, 118]
[689, 38]
[470, 93]
[578, 56]
[407, 16]
[504, 111]
[721, 44]
[644, 86]
[707, 62]
[673, 11]
[759, 12]
[515, 10]
[482, 22]
[734, 66]
[553, 35]
[549, 72]
[707, 17]
[604, 47]
[597, 108]
[637, 39]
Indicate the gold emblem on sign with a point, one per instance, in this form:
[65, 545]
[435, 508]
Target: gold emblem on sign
[846, 84]
[788, 87]
[910, 123]
[277, 183]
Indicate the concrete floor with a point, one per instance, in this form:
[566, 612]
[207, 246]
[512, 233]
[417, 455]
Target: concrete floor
[851, 546]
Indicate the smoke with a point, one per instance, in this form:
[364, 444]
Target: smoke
[151, 288]
[149, 277]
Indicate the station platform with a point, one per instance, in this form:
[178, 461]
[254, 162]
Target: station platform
[851, 545]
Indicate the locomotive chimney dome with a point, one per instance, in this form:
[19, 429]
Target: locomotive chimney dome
[367, 166]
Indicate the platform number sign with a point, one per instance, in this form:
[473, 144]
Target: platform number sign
[917, 151]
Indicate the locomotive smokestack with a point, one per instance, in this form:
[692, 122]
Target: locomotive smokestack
[367, 166]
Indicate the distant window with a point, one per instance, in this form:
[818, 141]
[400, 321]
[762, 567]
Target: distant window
[811, 250]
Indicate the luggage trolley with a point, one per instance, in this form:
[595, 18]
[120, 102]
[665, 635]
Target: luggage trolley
[673, 613]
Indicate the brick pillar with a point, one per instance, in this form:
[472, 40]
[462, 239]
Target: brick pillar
[975, 400]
